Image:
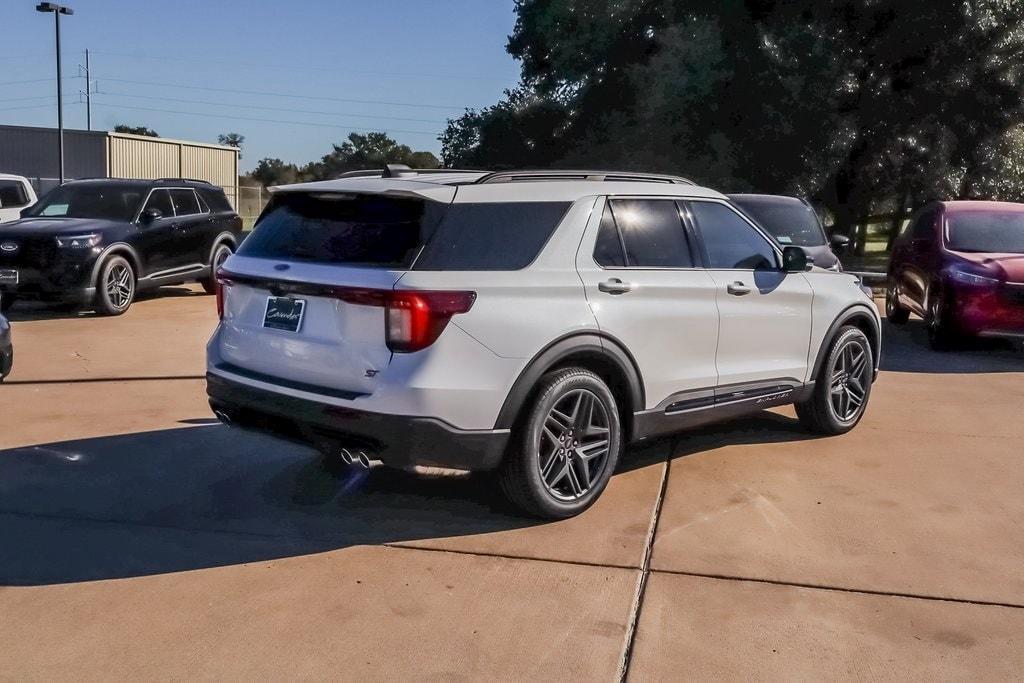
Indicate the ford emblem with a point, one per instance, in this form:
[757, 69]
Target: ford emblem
[9, 247]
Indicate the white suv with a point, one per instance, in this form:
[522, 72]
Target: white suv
[529, 322]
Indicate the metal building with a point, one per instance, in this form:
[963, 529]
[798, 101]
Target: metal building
[32, 152]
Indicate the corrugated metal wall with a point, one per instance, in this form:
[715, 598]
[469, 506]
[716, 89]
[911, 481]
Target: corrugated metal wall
[32, 152]
[133, 156]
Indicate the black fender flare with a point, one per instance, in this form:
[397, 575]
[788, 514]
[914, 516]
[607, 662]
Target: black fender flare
[593, 343]
[849, 313]
[117, 249]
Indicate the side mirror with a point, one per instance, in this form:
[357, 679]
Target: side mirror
[794, 260]
[840, 242]
[150, 215]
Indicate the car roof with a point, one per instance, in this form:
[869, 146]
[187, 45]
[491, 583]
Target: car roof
[11, 176]
[145, 182]
[742, 198]
[965, 205]
[440, 187]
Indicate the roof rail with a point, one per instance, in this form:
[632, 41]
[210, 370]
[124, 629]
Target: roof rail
[400, 170]
[599, 176]
[181, 180]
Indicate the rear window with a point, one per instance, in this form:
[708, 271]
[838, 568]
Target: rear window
[359, 230]
[12, 193]
[491, 236]
[215, 199]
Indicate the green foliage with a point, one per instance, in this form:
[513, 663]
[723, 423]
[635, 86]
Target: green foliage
[269, 172]
[135, 130]
[855, 103]
[232, 140]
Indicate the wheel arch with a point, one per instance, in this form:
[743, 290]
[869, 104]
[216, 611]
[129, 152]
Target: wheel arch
[601, 354]
[861, 317]
[117, 249]
[225, 237]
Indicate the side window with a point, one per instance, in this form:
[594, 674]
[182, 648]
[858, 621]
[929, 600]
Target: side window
[160, 201]
[185, 202]
[649, 230]
[12, 194]
[924, 227]
[608, 250]
[731, 243]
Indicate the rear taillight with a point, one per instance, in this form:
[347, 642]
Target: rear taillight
[413, 319]
[223, 284]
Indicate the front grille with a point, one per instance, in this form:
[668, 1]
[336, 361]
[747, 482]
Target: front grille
[34, 251]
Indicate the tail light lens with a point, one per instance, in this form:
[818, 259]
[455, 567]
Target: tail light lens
[413, 319]
[223, 284]
[416, 319]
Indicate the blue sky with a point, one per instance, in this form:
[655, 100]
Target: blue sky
[402, 66]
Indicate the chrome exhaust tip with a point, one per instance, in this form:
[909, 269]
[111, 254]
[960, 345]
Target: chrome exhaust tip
[347, 457]
[363, 460]
[223, 417]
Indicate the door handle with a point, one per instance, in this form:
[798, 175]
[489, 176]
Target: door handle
[614, 286]
[737, 288]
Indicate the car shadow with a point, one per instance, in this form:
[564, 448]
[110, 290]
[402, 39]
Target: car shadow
[905, 349]
[24, 311]
[208, 496]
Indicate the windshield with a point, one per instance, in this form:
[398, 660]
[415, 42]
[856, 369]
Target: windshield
[987, 231]
[790, 221]
[110, 202]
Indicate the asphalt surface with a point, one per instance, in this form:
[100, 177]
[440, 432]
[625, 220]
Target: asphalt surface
[139, 538]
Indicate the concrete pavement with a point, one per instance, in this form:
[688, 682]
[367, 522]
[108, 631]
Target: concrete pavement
[138, 538]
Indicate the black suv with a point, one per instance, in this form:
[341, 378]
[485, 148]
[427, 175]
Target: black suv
[95, 243]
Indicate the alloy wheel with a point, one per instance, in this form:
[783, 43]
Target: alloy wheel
[120, 285]
[573, 448]
[850, 379]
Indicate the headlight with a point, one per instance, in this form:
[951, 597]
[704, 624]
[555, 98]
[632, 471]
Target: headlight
[973, 278]
[87, 241]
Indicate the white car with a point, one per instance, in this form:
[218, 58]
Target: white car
[16, 193]
[529, 322]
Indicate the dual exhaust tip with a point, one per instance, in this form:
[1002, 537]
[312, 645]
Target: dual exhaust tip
[355, 458]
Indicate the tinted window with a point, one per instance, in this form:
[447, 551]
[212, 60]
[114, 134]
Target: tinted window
[729, 240]
[12, 193]
[608, 248]
[652, 233]
[987, 232]
[216, 200]
[789, 220]
[185, 203]
[923, 227]
[491, 236]
[361, 230]
[92, 200]
[161, 201]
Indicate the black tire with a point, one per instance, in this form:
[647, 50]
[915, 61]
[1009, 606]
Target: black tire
[894, 312]
[6, 301]
[536, 445]
[942, 332]
[820, 413]
[220, 254]
[111, 298]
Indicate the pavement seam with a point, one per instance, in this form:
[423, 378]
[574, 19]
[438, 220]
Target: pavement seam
[645, 571]
[505, 556]
[839, 589]
[91, 380]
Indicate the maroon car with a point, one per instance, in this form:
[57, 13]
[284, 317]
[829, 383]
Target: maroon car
[960, 266]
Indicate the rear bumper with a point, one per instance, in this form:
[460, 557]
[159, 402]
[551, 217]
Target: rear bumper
[396, 440]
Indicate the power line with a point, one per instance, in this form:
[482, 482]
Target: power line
[297, 67]
[278, 94]
[261, 120]
[38, 106]
[250, 106]
[33, 80]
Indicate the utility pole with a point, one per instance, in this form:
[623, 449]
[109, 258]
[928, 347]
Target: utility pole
[57, 11]
[88, 91]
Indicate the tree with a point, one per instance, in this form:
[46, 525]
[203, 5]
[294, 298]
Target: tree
[232, 140]
[135, 130]
[858, 104]
[369, 151]
[270, 172]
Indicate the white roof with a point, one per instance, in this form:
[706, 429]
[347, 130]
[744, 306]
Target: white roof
[442, 187]
[11, 176]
